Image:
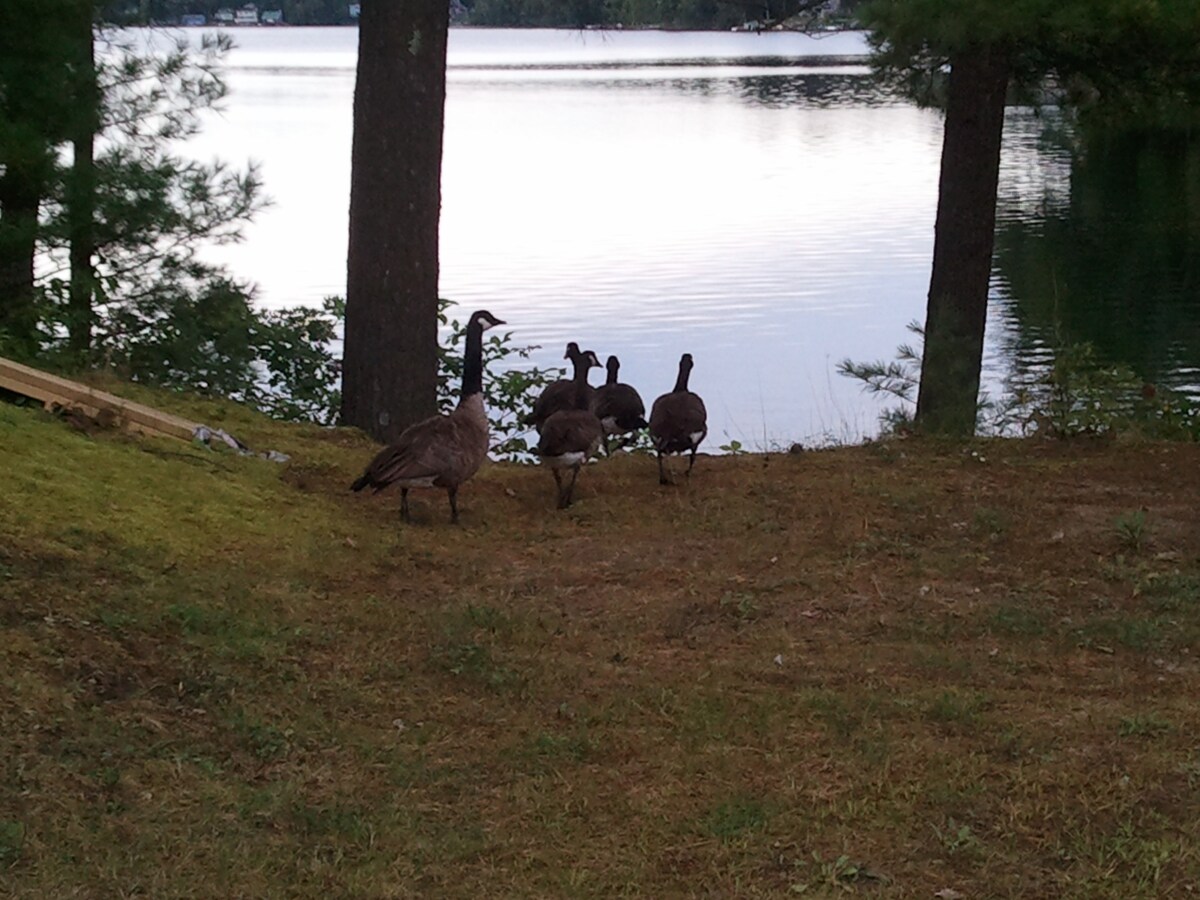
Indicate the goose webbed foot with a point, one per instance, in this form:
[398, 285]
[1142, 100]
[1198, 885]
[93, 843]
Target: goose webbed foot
[453, 494]
[404, 516]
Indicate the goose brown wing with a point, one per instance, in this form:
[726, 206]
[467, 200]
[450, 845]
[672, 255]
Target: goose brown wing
[426, 449]
[675, 417]
[555, 396]
[621, 401]
[572, 431]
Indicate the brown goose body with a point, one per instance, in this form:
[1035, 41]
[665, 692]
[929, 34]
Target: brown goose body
[441, 451]
[678, 421]
[570, 437]
[556, 396]
[618, 406]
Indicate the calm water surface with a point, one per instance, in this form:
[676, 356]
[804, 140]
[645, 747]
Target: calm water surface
[751, 199]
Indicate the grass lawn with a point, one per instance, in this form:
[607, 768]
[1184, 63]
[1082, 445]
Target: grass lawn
[891, 670]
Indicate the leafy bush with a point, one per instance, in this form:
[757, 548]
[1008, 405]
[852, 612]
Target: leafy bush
[282, 362]
[1077, 395]
[210, 338]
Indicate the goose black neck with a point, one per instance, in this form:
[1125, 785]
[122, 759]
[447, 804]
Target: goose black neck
[613, 370]
[681, 382]
[472, 378]
[581, 381]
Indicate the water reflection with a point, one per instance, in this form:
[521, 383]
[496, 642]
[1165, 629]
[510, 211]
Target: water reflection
[800, 90]
[1116, 262]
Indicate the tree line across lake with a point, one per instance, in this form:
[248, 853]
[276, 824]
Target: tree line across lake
[690, 14]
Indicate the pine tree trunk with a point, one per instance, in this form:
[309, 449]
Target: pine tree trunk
[20, 199]
[81, 187]
[389, 377]
[963, 239]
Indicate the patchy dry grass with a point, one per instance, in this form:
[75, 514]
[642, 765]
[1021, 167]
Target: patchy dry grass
[884, 670]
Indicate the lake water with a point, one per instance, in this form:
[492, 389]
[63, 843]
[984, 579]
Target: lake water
[752, 199]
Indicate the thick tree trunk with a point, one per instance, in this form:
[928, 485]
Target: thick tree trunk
[81, 186]
[389, 377]
[20, 199]
[963, 239]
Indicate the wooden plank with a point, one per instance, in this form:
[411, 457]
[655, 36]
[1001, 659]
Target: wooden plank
[52, 390]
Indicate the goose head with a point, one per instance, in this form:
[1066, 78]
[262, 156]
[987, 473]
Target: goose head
[685, 371]
[614, 367]
[484, 320]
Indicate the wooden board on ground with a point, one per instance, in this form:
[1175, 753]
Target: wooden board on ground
[107, 408]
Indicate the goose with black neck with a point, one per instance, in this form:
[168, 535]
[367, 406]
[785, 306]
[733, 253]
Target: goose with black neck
[442, 451]
[569, 437]
[618, 406]
[678, 421]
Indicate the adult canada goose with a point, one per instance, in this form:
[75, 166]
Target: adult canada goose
[556, 396]
[441, 451]
[618, 406]
[570, 436]
[678, 420]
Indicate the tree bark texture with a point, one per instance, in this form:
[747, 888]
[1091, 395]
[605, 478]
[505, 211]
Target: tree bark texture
[389, 377]
[35, 98]
[963, 238]
[20, 200]
[81, 185]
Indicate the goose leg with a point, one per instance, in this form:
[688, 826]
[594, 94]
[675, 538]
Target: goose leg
[571, 487]
[662, 476]
[404, 505]
[691, 462]
[453, 492]
[558, 484]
